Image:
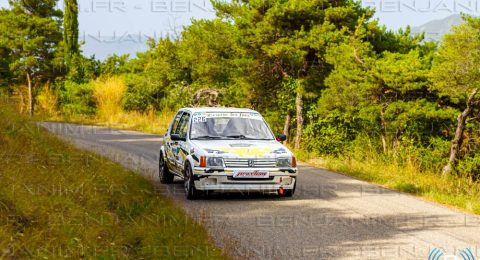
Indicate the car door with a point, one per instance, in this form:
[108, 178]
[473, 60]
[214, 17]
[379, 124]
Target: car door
[180, 146]
[170, 146]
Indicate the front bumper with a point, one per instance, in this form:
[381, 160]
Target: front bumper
[208, 180]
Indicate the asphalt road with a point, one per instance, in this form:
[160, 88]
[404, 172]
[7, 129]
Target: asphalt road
[331, 216]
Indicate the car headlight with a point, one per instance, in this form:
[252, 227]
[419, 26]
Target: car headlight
[214, 162]
[284, 162]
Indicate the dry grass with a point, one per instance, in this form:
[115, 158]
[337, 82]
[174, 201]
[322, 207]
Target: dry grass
[108, 94]
[150, 122]
[47, 101]
[59, 202]
[457, 191]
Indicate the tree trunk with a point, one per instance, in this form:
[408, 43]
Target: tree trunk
[396, 144]
[30, 94]
[299, 108]
[458, 139]
[22, 101]
[286, 128]
[384, 131]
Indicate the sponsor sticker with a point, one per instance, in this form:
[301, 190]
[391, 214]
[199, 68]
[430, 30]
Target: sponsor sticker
[202, 117]
[248, 151]
[251, 174]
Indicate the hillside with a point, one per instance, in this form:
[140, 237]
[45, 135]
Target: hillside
[434, 30]
[59, 202]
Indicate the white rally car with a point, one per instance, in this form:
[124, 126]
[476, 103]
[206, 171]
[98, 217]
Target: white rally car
[226, 149]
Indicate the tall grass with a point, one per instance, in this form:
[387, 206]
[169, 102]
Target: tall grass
[47, 101]
[108, 93]
[404, 175]
[150, 122]
[58, 202]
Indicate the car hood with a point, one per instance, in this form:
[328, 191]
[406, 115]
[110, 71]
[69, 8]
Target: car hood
[241, 148]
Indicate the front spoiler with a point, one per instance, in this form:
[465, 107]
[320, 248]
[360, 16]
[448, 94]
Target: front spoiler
[223, 181]
[243, 187]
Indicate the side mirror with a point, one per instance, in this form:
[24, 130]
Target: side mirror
[281, 138]
[177, 138]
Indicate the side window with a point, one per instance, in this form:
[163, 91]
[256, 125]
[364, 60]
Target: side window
[183, 126]
[175, 122]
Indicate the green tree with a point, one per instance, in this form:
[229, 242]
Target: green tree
[288, 40]
[456, 77]
[39, 8]
[209, 55]
[373, 91]
[155, 78]
[31, 34]
[70, 31]
[5, 73]
[114, 64]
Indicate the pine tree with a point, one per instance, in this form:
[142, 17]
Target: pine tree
[30, 36]
[455, 75]
[70, 30]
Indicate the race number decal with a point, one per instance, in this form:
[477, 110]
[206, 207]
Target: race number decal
[200, 119]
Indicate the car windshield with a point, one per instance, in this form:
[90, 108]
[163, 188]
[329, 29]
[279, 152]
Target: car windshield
[214, 126]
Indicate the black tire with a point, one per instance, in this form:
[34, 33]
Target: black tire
[289, 193]
[191, 193]
[164, 174]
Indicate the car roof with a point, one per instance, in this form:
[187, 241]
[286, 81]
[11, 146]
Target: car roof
[217, 109]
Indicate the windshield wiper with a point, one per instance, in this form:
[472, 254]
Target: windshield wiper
[208, 137]
[237, 136]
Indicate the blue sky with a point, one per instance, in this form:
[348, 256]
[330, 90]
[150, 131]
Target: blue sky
[122, 26]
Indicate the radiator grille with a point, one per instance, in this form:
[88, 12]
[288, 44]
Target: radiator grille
[251, 163]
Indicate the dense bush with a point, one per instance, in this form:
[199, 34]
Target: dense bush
[142, 94]
[83, 69]
[328, 136]
[76, 99]
[433, 156]
[470, 166]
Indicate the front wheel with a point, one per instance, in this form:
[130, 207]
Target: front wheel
[191, 192]
[164, 174]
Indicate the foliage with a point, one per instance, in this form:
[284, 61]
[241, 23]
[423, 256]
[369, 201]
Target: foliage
[455, 72]
[114, 65]
[140, 95]
[5, 72]
[470, 166]
[83, 69]
[76, 99]
[456, 78]
[70, 30]
[30, 38]
[330, 135]
[30, 33]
